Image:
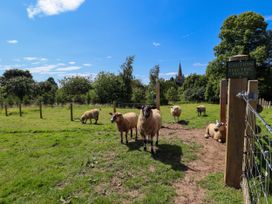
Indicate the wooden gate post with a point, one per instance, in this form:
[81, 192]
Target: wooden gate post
[6, 110]
[20, 109]
[41, 115]
[71, 112]
[235, 132]
[223, 104]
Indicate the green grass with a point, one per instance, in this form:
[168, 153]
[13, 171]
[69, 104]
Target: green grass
[217, 193]
[55, 160]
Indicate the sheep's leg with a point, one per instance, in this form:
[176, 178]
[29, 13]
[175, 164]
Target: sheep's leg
[126, 137]
[136, 134]
[152, 150]
[95, 121]
[121, 134]
[157, 139]
[145, 143]
[131, 132]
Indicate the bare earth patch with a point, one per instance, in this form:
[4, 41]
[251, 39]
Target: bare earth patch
[210, 159]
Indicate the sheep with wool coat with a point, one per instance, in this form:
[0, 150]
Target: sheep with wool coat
[125, 122]
[89, 115]
[149, 124]
[175, 112]
[215, 130]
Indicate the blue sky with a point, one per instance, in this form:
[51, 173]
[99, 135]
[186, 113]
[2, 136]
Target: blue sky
[83, 37]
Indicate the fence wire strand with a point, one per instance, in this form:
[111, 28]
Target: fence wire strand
[258, 155]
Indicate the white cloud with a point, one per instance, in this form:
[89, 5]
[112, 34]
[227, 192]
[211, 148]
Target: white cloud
[42, 69]
[268, 18]
[71, 68]
[12, 41]
[53, 7]
[156, 44]
[72, 63]
[86, 75]
[87, 65]
[61, 64]
[198, 64]
[30, 58]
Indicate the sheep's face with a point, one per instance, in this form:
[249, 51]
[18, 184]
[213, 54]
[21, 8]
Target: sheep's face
[116, 117]
[146, 111]
[82, 119]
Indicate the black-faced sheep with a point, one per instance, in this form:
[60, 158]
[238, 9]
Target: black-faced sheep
[149, 124]
[89, 115]
[125, 122]
[201, 109]
[175, 112]
[215, 130]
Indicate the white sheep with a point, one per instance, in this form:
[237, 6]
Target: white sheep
[149, 124]
[201, 109]
[175, 112]
[125, 122]
[215, 130]
[91, 114]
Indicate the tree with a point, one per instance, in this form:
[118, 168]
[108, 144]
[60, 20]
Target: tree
[126, 78]
[48, 91]
[242, 34]
[76, 88]
[138, 91]
[18, 84]
[172, 94]
[154, 75]
[107, 87]
[193, 88]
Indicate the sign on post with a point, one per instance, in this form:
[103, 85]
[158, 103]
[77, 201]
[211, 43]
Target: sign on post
[241, 69]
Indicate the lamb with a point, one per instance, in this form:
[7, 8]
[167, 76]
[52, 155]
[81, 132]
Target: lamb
[201, 109]
[125, 122]
[215, 130]
[149, 124]
[175, 112]
[91, 114]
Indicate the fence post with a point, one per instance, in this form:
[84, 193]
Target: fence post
[6, 110]
[223, 103]
[114, 106]
[235, 133]
[41, 115]
[158, 98]
[20, 109]
[71, 112]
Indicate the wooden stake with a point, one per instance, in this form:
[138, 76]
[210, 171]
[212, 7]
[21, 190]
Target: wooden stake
[235, 132]
[71, 112]
[41, 115]
[114, 106]
[6, 109]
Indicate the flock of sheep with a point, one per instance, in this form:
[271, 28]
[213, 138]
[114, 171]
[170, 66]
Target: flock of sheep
[149, 123]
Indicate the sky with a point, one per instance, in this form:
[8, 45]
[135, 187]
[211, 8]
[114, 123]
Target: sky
[61, 38]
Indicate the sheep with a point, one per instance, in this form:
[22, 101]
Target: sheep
[91, 114]
[149, 124]
[201, 109]
[175, 112]
[125, 122]
[215, 130]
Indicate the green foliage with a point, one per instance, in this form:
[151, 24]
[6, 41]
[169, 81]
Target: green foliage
[48, 90]
[154, 75]
[193, 87]
[172, 94]
[107, 87]
[126, 79]
[75, 87]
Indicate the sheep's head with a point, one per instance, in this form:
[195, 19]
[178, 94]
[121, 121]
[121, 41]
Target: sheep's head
[146, 110]
[219, 128]
[82, 119]
[115, 117]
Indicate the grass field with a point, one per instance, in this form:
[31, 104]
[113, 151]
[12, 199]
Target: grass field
[55, 160]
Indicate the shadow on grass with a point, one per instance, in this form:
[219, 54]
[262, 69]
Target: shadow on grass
[183, 122]
[170, 154]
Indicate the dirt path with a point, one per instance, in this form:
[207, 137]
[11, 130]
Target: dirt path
[210, 159]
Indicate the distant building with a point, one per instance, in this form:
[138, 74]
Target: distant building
[180, 77]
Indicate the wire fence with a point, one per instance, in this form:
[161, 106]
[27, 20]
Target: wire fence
[258, 155]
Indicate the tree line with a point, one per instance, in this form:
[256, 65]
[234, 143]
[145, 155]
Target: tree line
[246, 33]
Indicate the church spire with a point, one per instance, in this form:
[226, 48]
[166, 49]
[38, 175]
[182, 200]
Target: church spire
[179, 79]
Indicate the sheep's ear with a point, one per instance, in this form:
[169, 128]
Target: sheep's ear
[216, 122]
[110, 113]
